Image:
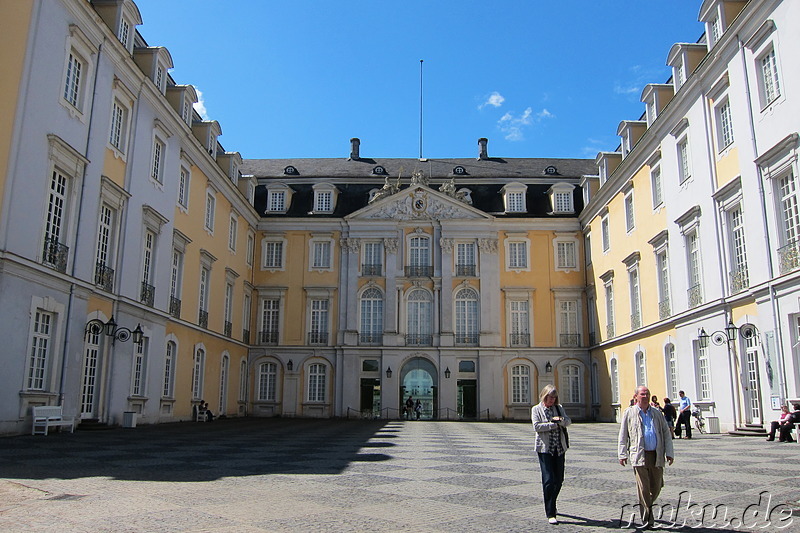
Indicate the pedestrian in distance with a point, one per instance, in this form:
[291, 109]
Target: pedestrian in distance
[670, 414]
[418, 408]
[409, 407]
[552, 440]
[684, 416]
[645, 440]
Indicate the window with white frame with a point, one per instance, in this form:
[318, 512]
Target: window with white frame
[323, 201]
[703, 372]
[211, 206]
[520, 323]
[724, 124]
[517, 254]
[465, 258]
[715, 27]
[243, 375]
[41, 342]
[769, 85]
[246, 310]
[251, 246]
[139, 370]
[273, 255]
[148, 257]
[630, 220]
[318, 325]
[104, 257]
[157, 163]
[570, 391]
[662, 266]
[671, 360]
[123, 32]
[566, 254]
[609, 291]
[205, 275]
[680, 74]
[604, 233]
[372, 259]
[740, 278]
[521, 384]
[641, 369]
[371, 327]
[651, 110]
[119, 126]
[279, 197]
[321, 254]
[790, 208]
[514, 197]
[197, 373]
[228, 309]
[561, 200]
[74, 82]
[568, 322]
[267, 382]
[655, 185]
[317, 382]
[159, 79]
[233, 231]
[419, 251]
[614, 372]
[467, 329]
[694, 265]
[270, 320]
[277, 201]
[223, 384]
[419, 317]
[684, 162]
[176, 275]
[170, 358]
[635, 296]
[183, 187]
[595, 385]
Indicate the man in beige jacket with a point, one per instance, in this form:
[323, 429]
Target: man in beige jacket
[644, 436]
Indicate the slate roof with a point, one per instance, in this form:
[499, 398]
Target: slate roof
[355, 179]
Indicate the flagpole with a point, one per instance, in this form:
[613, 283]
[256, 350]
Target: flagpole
[420, 109]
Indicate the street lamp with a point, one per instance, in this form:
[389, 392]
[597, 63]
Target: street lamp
[388, 372]
[96, 326]
[290, 365]
[447, 373]
[548, 367]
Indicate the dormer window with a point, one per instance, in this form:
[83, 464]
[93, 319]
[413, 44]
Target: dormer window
[159, 80]
[514, 197]
[279, 198]
[290, 171]
[684, 58]
[124, 32]
[561, 198]
[379, 171]
[551, 171]
[325, 196]
[459, 171]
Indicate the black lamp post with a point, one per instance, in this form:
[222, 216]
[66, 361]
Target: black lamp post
[548, 367]
[290, 365]
[447, 373]
[111, 329]
[389, 372]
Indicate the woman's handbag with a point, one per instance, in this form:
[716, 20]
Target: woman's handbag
[566, 435]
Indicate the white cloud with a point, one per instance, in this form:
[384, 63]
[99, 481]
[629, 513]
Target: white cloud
[200, 105]
[514, 126]
[495, 100]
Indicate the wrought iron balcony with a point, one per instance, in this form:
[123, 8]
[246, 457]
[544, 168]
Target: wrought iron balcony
[520, 339]
[371, 270]
[175, 307]
[664, 309]
[789, 257]
[467, 339]
[419, 340]
[318, 337]
[268, 337]
[148, 294]
[570, 340]
[228, 329]
[370, 339]
[465, 270]
[55, 255]
[246, 336]
[202, 319]
[104, 277]
[610, 330]
[695, 294]
[636, 321]
[740, 279]
[419, 271]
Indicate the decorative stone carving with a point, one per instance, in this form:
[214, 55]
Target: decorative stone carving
[390, 245]
[388, 189]
[350, 245]
[418, 178]
[464, 195]
[447, 245]
[487, 246]
[449, 187]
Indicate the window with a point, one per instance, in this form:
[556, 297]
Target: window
[680, 75]
[72, 85]
[520, 384]
[159, 81]
[228, 309]
[609, 290]
[694, 269]
[251, 244]
[157, 167]
[724, 125]
[614, 371]
[270, 320]
[370, 365]
[139, 371]
[466, 328]
[148, 267]
[672, 370]
[520, 323]
[371, 330]
[176, 279]
[104, 258]
[267, 382]
[211, 203]
[318, 330]
[246, 310]
[205, 274]
[40, 354]
[466, 366]
[570, 384]
[655, 184]
[662, 264]
[325, 195]
[768, 78]
[568, 323]
[703, 372]
[233, 229]
[273, 254]
[636, 301]
[277, 201]
[684, 168]
[419, 252]
[516, 201]
[566, 255]
[641, 369]
[419, 319]
[119, 126]
[517, 255]
[514, 197]
[740, 278]
[604, 232]
[651, 110]
[465, 259]
[183, 188]
[223, 384]
[790, 212]
[55, 253]
[243, 376]
[170, 358]
[716, 30]
[587, 248]
[630, 221]
[372, 259]
[316, 382]
[561, 198]
[124, 32]
[321, 255]
[197, 373]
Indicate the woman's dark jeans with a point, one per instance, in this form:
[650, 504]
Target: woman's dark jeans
[552, 467]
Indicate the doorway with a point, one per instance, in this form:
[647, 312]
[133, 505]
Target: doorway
[418, 381]
[752, 383]
[370, 398]
[467, 402]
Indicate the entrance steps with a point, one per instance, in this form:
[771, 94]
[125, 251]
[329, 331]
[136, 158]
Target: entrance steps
[749, 430]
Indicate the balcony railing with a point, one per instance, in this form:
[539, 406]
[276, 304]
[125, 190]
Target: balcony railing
[419, 271]
[371, 270]
[104, 277]
[520, 339]
[570, 340]
[228, 329]
[370, 339]
[268, 337]
[175, 307]
[246, 336]
[419, 340]
[740, 279]
[318, 337]
[695, 294]
[636, 320]
[467, 339]
[55, 255]
[789, 257]
[664, 309]
[610, 330]
[148, 294]
[202, 318]
[465, 270]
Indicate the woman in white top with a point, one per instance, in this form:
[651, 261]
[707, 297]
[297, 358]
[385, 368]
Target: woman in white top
[550, 423]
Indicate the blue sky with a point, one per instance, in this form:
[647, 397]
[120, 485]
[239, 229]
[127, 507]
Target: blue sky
[538, 78]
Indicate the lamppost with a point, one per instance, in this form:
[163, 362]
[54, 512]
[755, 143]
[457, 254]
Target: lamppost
[96, 326]
[728, 336]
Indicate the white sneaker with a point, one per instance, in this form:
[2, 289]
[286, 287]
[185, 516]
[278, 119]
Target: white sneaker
[553, 520]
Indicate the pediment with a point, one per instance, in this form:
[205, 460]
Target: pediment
[418, 203]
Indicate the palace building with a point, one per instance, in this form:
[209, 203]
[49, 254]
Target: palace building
[145, 268]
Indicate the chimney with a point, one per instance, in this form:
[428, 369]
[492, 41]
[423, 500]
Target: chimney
[355, 142]
[483, 152]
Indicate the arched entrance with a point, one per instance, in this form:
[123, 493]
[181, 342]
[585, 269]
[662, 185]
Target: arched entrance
[418, 381]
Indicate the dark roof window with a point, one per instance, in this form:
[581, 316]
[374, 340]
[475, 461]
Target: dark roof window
[459, 170]
[551, 171]
[379, 170]
[290, 170]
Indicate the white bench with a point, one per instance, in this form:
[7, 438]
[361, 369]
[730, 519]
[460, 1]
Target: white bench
[46, 416]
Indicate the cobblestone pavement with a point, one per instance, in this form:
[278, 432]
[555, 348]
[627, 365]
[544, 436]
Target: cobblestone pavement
[282, 475]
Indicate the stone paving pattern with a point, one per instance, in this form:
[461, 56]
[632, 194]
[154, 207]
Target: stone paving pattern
[299, 475]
